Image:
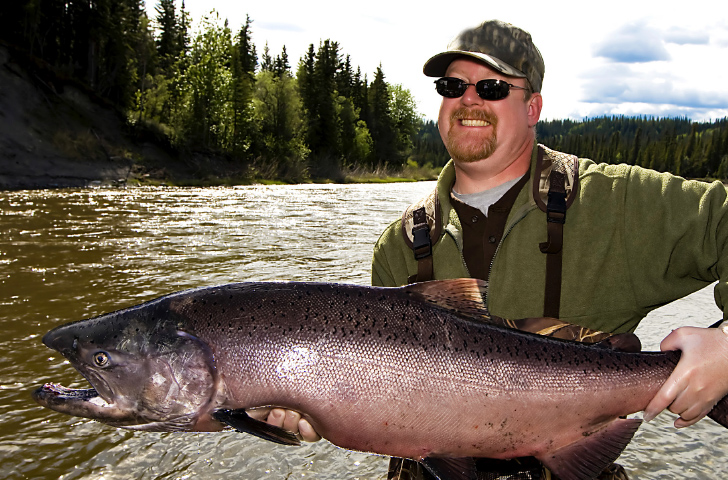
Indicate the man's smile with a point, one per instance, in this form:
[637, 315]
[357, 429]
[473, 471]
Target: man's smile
[467, 122]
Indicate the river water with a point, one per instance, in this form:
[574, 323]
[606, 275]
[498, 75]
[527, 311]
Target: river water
[72, 254]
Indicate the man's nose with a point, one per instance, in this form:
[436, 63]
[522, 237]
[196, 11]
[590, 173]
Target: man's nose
[471, 97]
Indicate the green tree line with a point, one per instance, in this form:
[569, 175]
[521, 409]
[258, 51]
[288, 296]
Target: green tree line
[676, 145]
[206, 88]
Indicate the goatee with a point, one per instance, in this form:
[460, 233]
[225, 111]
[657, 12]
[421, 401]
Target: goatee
[467, 150]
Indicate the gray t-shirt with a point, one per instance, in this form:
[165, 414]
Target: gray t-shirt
[483, 200]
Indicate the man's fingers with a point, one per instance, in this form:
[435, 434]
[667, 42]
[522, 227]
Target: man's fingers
[291, 420]
[276, 417]
[307, 432]
[664, 397]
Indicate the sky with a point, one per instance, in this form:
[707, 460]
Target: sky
[635, 57]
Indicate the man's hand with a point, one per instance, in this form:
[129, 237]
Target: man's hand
[288, 420]
[700, 379]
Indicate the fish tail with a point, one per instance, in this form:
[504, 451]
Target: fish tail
[720, 412]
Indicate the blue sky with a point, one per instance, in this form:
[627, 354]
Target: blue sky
[664, 58]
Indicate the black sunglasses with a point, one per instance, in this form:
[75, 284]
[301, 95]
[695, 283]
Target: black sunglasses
[489, 89]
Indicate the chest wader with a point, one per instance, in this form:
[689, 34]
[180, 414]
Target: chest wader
[555, 186]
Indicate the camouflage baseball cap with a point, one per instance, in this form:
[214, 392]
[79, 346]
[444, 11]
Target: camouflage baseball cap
[502, 46]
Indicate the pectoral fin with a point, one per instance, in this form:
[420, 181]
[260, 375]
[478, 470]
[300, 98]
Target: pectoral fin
[242, 422]
[587, 458]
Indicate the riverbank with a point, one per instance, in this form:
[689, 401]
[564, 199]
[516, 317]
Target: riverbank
[55, 133]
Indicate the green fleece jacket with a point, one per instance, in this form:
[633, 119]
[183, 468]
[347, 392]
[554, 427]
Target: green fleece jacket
[634, 240]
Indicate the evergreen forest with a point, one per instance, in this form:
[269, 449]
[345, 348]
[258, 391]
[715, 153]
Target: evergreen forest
[677, 145]
[203, 87]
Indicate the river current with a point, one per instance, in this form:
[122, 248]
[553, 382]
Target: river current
[72, 254]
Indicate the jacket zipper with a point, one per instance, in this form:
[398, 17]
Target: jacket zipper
[506, 232]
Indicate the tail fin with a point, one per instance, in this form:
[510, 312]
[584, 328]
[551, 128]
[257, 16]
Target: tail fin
[720, 412]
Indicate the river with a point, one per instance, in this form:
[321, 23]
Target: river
[72, 254]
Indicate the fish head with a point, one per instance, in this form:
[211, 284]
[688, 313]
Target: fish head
[146, 372]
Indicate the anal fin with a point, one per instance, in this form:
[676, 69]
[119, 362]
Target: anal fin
[242, 422]
[451, 468]
[585, 459]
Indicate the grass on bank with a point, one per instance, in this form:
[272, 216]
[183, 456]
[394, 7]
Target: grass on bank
[412, 172]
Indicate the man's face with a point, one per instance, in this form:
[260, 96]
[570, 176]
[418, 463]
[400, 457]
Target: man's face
[472, 128]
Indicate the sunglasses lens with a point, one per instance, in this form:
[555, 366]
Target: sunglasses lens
[492, 89]
[450, 87]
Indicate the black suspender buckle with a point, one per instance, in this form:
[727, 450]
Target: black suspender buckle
[421, 243]
[556, 207]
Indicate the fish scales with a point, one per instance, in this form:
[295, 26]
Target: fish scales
[303, 350]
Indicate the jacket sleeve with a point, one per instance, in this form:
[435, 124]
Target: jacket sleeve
[676, 236]
[387, 261]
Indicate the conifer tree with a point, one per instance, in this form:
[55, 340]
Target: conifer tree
[266, 61]
[168, 41]
[244, 61]
[326, 122]
[380, 120]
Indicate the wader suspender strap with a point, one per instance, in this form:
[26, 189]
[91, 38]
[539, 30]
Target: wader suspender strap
[557, 202]
[553, 247]
[421, 228]
[422, 245]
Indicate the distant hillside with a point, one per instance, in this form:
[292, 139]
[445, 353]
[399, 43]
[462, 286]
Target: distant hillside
[54, 132]
[677, 145]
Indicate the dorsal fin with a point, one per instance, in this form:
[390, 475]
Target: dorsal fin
[461, 296]
[464, 297]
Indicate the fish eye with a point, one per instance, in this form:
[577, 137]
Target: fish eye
[101, 359]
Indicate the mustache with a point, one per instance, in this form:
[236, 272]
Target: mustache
[474, 114]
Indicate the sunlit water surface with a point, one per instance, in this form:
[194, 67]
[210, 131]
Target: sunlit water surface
[72, 254]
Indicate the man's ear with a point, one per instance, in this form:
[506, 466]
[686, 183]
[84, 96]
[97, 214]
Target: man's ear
[535, 104]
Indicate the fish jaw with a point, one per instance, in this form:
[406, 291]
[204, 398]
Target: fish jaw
[81, 402]
[146, 373]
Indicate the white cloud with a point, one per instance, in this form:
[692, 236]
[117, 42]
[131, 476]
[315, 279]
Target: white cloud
[683, 36]
[633, 43]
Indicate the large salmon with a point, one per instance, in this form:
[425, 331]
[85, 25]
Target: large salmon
[414, 372]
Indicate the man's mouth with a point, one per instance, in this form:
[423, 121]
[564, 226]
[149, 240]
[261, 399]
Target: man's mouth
[472, 117]
[467, 122]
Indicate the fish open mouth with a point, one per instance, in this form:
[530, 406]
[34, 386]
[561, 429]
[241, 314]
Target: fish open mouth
[88, 403]
[54, 392]
[80, 402]
[83, 402]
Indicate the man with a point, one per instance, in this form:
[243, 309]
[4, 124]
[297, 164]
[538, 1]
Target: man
[632, 240]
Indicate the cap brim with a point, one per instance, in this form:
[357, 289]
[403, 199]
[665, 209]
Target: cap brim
[437, 65]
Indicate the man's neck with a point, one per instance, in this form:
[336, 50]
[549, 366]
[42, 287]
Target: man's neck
[491, 172]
